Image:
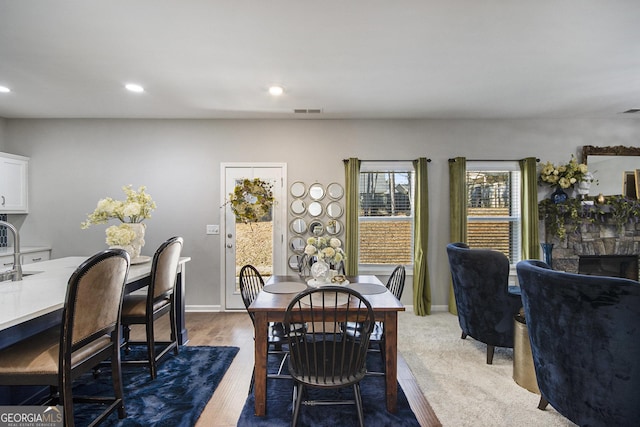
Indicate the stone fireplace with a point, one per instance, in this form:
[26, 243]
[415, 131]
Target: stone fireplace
[599, 248]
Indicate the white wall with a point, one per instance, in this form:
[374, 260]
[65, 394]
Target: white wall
[76, 162]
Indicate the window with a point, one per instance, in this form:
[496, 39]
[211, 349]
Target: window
[493, 207]
[386, 214]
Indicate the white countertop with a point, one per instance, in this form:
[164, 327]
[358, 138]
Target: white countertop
[45, 292]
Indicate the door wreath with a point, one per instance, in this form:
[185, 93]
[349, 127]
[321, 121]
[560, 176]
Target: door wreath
[251, 200]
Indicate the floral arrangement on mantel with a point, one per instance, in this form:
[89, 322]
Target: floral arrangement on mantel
[563, 218]
[136, 208]
[565, 175]
[327, 249]
[251, 200]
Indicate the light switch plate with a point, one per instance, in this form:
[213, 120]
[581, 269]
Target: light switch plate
[213, 229]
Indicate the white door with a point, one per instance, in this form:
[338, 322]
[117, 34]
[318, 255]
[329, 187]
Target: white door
[262, 243]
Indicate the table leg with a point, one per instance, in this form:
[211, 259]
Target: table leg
[391, 359]
[260, 363]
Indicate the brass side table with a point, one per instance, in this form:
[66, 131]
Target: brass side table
[523, 371]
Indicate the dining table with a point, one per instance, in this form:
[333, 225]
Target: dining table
[270, 306]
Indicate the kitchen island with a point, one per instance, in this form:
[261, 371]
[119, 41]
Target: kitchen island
[35, 303]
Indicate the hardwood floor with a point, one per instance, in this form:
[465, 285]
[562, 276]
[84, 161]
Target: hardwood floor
[235, 329]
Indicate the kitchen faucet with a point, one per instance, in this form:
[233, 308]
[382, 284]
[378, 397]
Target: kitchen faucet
[16, 272]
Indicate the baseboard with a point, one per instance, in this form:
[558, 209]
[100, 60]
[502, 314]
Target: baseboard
[203, 308]
[218, 308]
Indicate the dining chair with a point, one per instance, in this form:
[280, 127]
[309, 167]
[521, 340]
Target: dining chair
[323, 355]
[395, 285]
[89, 334]
[251, 283]
[159, 300]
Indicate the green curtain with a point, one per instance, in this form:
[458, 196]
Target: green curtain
[352, 180]
[421, 286]
[529, 201]
[457, 211]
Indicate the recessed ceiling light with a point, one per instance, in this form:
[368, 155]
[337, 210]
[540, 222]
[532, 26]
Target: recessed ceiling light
[276, 90]
[132, 87]
[4, 89]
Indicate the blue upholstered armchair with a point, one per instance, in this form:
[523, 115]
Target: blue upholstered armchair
[585, 341]
[485, 305]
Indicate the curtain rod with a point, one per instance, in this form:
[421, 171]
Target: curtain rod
[367, 160]
[491, 160]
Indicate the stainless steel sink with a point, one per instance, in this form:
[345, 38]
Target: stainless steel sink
[8, 275]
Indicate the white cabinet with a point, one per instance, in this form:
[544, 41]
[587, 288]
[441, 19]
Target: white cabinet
[30, 258]
[14, 172]
[29, 255]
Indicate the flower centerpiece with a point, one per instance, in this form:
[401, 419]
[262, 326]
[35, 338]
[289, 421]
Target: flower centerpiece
[130, 212]
[328, 253]
[251, 200]
[564, 176]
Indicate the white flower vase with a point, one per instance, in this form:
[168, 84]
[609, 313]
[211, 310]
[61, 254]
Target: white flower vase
[320, 272]
[135, 247]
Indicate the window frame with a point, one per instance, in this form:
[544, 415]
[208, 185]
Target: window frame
[388, 167]
[515, 243]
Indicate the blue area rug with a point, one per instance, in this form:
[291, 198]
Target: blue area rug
[280, 395]
[184, 385]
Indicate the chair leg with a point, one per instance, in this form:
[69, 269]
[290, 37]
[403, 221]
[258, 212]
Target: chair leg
[151, 349]
[490, 351]
[66, 396]
[542, 405]
[174, 327]
[297, 400]
[358, 398]
[116, 378]
[126, 333]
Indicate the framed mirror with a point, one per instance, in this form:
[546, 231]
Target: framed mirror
[315, 209]
[333, 227]
[298, 207]
[297, 244]
[293, 262]
[298, 225]
[316, 191]
[316, 228]
[610, 167]
[335, 191]
[334, 210]
[298, 189]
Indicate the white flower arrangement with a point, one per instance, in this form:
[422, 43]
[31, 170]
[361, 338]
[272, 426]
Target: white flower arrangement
[136, 208]
[326, 249]
[564, 176]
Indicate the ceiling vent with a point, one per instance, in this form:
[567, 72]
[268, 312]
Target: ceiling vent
[307, 111]
[632, 110]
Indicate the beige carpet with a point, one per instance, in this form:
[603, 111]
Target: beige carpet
[462, 389]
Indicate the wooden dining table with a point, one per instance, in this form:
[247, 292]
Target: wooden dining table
[270, 307]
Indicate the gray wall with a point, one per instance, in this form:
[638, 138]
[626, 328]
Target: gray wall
[76, 162]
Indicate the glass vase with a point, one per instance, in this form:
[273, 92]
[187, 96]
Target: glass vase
[559, 196]
[547, 249]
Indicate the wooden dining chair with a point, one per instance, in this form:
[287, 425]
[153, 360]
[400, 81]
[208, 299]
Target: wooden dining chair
[158, 301]
[251, 283]
[323, 355]
[395, 285]
[89, 334]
